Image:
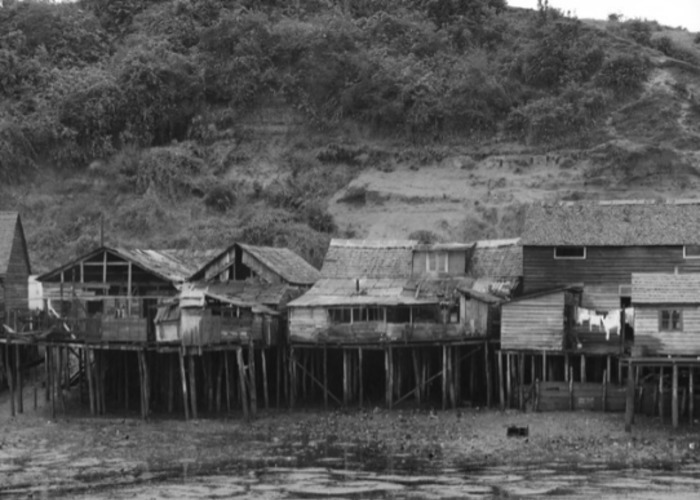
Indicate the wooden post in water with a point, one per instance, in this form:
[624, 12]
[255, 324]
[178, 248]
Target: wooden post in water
[536, 404]
[416, 374]
[521, 381]
[10, 382]
[571, 389]
[509, 393]
[629, 404]
[263, 360]
[241, 379]
[501, 390]
[566, 367]
[487, 369]
[674, 396]
[583, 368]
[278, 376]
[47, 394]
[691, 395]
[18, 372]
[171, 383]
[360, 377]
[193, 387]
[253, 380]
[90, 378]
[457, 364]
[544, 366]
[183, 379]
[444, 377]
[346, 378]
[389, 376]
[325, 376]
[227, 377]
[605, 391]
[661, 393]
[50, 381]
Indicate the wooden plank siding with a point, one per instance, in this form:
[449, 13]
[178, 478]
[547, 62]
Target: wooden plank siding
[603, 265]
[16, 286]
[534, 323]
[652, 342]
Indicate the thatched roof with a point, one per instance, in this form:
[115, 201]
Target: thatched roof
[665, 288]
[8, 224]
[623, 223]
[499, 259]
[355, 259]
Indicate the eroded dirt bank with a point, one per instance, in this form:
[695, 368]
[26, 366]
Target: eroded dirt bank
[78, 455]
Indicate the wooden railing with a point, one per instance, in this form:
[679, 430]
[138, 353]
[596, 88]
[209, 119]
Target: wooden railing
[379, 331]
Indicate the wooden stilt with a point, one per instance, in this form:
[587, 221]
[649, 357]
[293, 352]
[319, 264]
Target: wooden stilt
[661, 393]
[521, 382]
[416, 374]
[60, 376]
[183, 379]
[50, 382]
[263, 361]
[253, 380]
[473, 378]
[18, 373]
[227, 376]
[126, 381]
[583, 368]
[346, 377]
[544, 366]
[533, 371]
[278, 376]
[566, 367]
[47, 388]
[457, 365]
[10, 381]
[171, 382]
[292, 377]
[103, 395]
[501, 389]
[691, 395]
[443, 378]
[608, 367]
[208, 379]
[509, 392]
[487, 368]
[604, 399]
[684, 402]
[536, 403]
[241, 379]
[89, 375]
[389, 372]
[571, 389]
[398, 375]
[674, 396]
[629, 404]
[219, 377]
[193, 387]
[325, 376]
[360, 377]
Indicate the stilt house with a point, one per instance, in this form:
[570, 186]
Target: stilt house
[111, 294]
[667, 314]
[14, 268]
[237, 297]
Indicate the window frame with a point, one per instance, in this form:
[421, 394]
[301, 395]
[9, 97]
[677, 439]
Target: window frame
[690, 256]
[570, 257]
[669, 321]
[437, 256]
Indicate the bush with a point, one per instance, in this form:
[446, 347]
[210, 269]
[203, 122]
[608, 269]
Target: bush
[17, 157]
[220, 199]
[624, 73]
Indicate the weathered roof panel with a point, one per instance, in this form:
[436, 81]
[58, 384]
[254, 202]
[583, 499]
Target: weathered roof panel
[8, 224]
[665, 288]
[502, 259]
[614, 223]
[368, 259]
[290, 266]
[372, 291]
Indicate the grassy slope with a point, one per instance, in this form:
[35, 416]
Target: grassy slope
[373, 186]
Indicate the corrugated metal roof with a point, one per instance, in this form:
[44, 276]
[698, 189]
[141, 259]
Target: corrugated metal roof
[372, 291]
[290, 266]
[368, 259]
[665, 288]
[614, 223]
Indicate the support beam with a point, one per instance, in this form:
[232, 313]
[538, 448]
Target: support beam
[691, 395]
[360, 377]
[18, 373]
[183, 378]
[242, 384]
[674, 397]
[227, 375]
[629, 404]
[487, 368]
[193, 387]
[501, 388]
[263, 361]
[10, 381]
[661, 393]
[583, 368]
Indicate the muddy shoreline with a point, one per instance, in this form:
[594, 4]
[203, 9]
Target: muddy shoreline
[78, 454]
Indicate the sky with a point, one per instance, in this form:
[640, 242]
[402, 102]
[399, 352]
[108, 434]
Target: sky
[685, 13]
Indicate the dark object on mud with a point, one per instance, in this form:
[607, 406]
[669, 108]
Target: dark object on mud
[515, 431]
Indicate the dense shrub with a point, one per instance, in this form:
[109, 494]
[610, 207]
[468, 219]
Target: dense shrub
[624, 72]
[220, 198]
[17, 157]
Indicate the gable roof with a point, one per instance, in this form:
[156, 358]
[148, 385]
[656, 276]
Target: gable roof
[614, 223]
[290, 266]
[9, 221]
[355, 259]
[665, 288]
[162, 264]
[190, 257]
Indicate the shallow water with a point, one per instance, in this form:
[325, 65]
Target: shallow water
[334, 469]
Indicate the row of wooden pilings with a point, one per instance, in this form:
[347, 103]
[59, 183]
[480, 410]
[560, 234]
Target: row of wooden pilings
[193, 380]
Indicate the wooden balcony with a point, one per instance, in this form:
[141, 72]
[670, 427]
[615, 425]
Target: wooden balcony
[378, 331]
[108, 329]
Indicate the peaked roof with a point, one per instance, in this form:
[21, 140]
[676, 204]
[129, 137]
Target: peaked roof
[290, 266]
[8, 224]
[192, 258]
[665, 288]
[160, 263]
[357, 259]
[614, 223]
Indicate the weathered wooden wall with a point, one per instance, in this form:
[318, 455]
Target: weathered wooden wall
[652, 342]
[602, 265]
[475, 315]
[534, 323]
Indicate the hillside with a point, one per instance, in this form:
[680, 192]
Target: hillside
[192, 123]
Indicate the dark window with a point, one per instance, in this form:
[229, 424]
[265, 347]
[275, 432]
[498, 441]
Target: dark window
[399, 314]
[691, 251]
[437, 262]
[339, 315]
[569, 252]
[670, 320]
